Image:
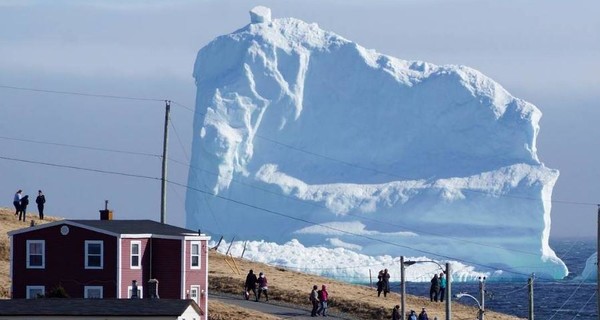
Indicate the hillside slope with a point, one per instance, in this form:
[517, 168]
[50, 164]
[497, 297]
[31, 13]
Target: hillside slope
[285, 286]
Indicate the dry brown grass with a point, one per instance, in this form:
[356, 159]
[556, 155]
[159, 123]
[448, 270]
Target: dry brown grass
[284, 286]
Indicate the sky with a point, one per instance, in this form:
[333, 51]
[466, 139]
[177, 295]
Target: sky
[105, 148]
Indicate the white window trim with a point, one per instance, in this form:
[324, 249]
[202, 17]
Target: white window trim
[140, 289]
[86, 288]
[29, 288]
[139, 255]
[29, 266]
[101, 254]
[192, 243]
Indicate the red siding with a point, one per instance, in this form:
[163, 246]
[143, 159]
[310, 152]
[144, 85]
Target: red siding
[64, 262]
[142, 275]
[166, 267]
[196, 277]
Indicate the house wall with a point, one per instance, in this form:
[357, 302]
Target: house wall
[64, 262]
[166, 267]
[197, 277]
[128, 274]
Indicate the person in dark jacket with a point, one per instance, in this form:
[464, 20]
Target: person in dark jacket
[314, 299]
[423, 315]
[385, 282]
[23, 207]
[396, 313]
[435, 288]
[379, 282]
[40, 200]
[17, 201]
[262, 286]
[250, 285]
[412, 315]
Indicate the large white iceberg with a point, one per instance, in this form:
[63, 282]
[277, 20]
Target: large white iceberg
[318, 139]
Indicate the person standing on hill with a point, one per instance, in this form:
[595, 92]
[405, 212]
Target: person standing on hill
[314, 299]
[262, 286]
[385, 282]
[250, 285]
[323, 297]
[17, 201]
[40, 200]
[379, 282]
[442, 286]
[23, 207]
[435, 288]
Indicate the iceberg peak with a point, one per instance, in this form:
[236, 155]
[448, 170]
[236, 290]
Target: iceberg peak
[260, 14]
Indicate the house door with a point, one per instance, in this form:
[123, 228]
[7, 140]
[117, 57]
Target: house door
[195, 293]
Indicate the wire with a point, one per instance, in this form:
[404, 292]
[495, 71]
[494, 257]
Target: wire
[80, 93]
[81, 147]
[80, 168]
[584, 305]
[569, 298]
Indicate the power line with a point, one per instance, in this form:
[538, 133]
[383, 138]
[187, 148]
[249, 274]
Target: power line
[80, 146]
[95, 95]
[80, 168]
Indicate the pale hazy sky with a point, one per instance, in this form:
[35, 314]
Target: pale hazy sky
[546, 52]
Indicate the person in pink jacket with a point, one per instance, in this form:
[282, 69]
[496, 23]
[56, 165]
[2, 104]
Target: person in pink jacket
[323, 297]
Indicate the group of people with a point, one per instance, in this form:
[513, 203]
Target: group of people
[21, 202]
[383, 282]
[438, 288]
[319, 299]
[250, 285]
[411, 316]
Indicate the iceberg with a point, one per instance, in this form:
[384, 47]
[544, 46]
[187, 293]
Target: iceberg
[590, 272]
[302, 134]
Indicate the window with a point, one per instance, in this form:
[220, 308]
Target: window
[34, 292]
[135, 254]
[36, 254]
[140, 291]
[93, 292]
[195, 255]
[94, 251]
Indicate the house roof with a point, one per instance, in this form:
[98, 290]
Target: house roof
[135, 227]
[96, 307]
[121, 227]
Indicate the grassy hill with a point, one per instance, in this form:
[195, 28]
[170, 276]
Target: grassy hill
[285, 286]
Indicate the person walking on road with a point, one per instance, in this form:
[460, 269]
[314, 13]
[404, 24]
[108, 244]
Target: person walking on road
[442, 286]
[435, 288]
[23, 208]
[250, 285]
[40, 200]
[262, 286]
[314, 299]
[323, 296]
[396, 313]
[17, 201]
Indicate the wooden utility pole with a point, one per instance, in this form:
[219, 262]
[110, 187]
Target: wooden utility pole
[482, 298]
[402, 289]
[448, 291]
[530, 286]
[163, 185]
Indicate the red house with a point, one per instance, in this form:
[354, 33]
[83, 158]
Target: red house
[108, 259]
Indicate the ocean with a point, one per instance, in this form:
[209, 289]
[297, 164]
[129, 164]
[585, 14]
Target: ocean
[564, 299]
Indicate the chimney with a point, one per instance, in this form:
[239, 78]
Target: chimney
[106, 214]
[153, 289]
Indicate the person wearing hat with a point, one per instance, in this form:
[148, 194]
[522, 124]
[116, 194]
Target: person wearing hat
[412, 315]
[262, 286]
[40, 200]
[423, 315]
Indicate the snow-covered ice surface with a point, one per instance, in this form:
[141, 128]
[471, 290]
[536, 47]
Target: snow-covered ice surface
[318, 139]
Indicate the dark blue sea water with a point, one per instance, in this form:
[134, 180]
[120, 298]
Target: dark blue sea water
[565, 299]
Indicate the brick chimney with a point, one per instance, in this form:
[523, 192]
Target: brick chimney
[153, 289]
[106, 214]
